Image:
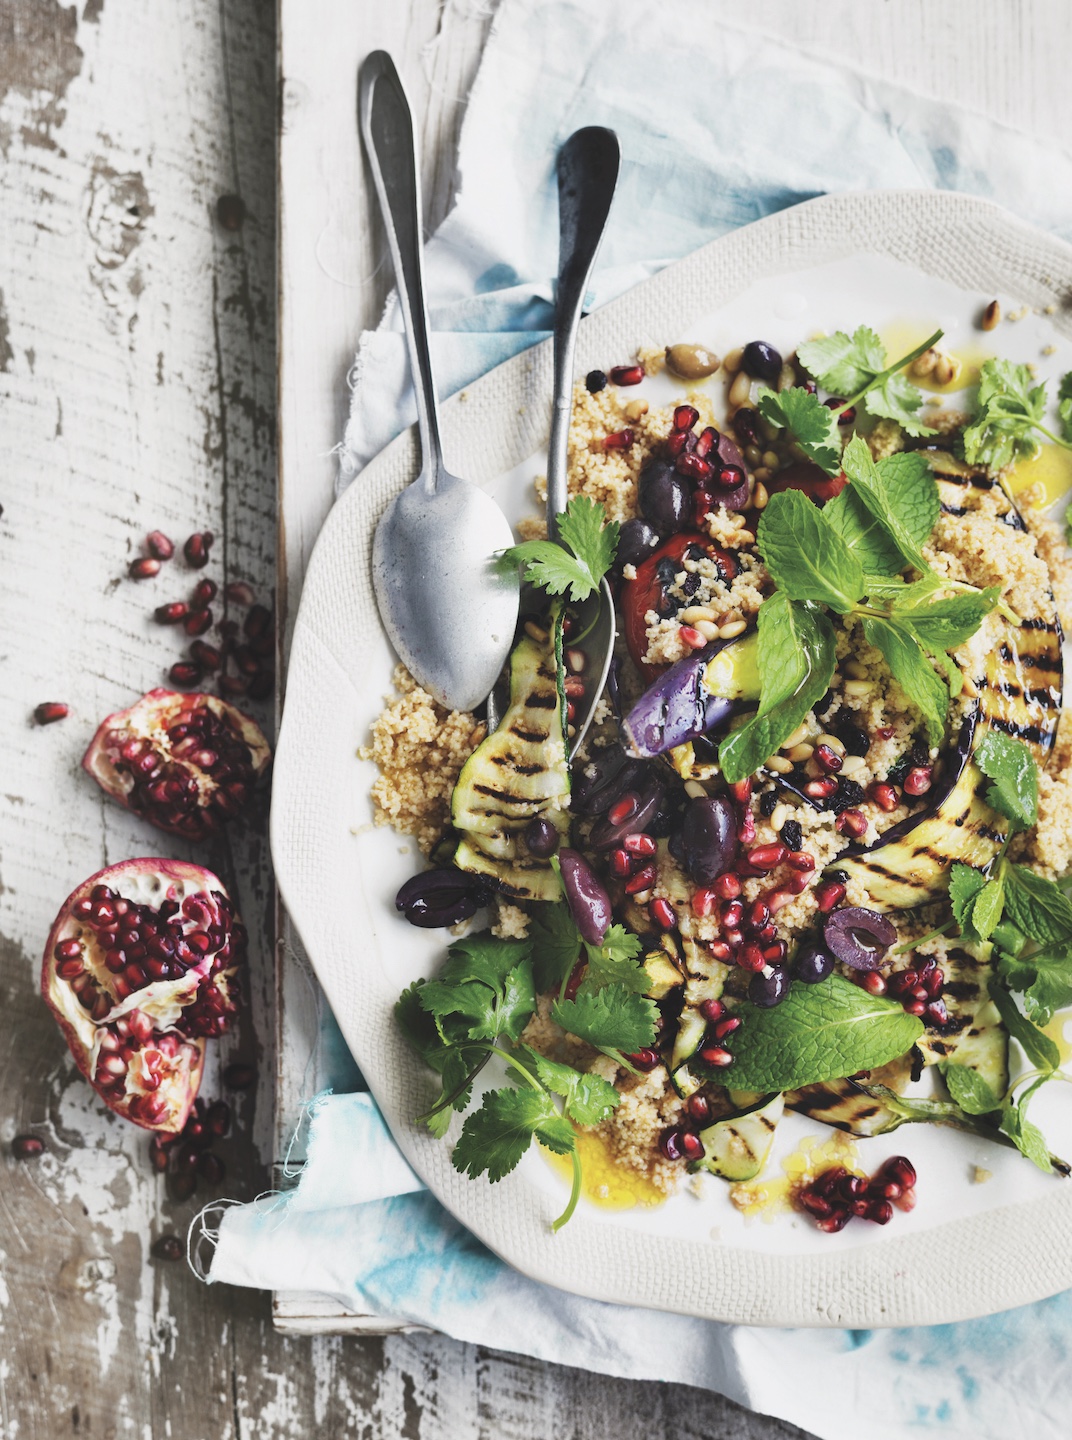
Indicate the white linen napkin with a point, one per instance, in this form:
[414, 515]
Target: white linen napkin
[760, 126]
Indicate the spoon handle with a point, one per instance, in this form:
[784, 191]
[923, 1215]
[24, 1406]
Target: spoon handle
[587, 174]
[386, 124]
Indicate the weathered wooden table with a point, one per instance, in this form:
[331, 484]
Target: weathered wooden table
[137, 390]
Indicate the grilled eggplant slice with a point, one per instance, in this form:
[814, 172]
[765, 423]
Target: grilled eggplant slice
[519, 772]
[845, 1105]
[737, 1148]
[975, 1035]
[1019, 693]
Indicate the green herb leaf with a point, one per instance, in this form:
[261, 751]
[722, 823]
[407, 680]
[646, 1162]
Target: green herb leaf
[1007, 410]
[896, 398]
[855, 366]
[495, 1137]
[589, 1098]
[867, 537]
[819, 1032]
[1044, 979]
[1037, 906]
[488, 983]
[945, 624]
[610, 1019]
[812, 424]
[969, 1089]
[796, 656]
[1011, 766]
[1064, 407]
[912, 670]
[455, 1064]
[556, 945]
[964, 885]
[594, 544]
[615, 962]
[807, 558]
[987, 908]
[902, 508]
[1025, 1135]
[1039, 1048]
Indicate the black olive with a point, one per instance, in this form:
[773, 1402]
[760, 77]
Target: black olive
[768, 990]
[636, 540]
[858, 937]
[761, 361]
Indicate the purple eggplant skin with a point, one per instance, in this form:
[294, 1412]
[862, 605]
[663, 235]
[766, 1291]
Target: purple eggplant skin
[615, 773]
[676, 709]
[588, 902]
[605, 835]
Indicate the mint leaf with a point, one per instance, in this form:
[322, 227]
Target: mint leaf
[912, 670]
[1044, 979]
[902, 512]
[807, 558]
[1007, 409]
[1039, 1048]
[819, 1032]
[1027, 1137]
[1011, 766]
[910, 490]
[812, 424]
[964, 885]
[844, 364]
[1037, 906]
[614, 962]
[987, 908]
[556, 946]
[495, 1137]
[969, 1089]
[551, 566]
[945, 624]
[866, 536]
[611, 1019]
[896, 398]
[589, 1098]
[593, 538]
[796, 657]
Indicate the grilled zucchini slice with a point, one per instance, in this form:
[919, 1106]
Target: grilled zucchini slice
[738, 1147]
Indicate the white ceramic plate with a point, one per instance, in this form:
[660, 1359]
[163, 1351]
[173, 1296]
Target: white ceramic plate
[968, 1248]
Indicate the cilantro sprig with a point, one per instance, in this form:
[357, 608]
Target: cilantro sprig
[578, 560]
[478, 1006]
[1009, 409]
[855, 365]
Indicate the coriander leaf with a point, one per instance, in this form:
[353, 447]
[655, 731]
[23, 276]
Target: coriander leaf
[1011, 766]
[1007, 409]
[474, 1002]
[488, 983]
[495, 1137]
[1044, 979]
[964, 885]
[796, 656]
[611, 1019]
[553, 569]
[806, 557]
[484, 957]
[556, 946]
[945, 624]
[614, 962]
[589, 1098]
[818, 1032]
[1064, 407]
[912, 670]
[896, 398]
[1039, 1048]
[550, 565]
[592, 538]
[841, 363]
[517, 1003]
[898, 507]
[456, 1064]
[1037, 906]
[969, 1089]
[812, 424]
[987, 908]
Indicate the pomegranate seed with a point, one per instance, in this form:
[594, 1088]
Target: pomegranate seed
[901, 1169]
[733, 938]
[670, 1144]
[574, 687]
[907, 1201]
[699, 1108]
[184, 674]
[918, 780]
[767, 857]
[741, 790]
[571, 710]
[778, 899]
[257, 622]
[874, 983]
[712, 1010]
[936, 1013]
[768, 933]
[716, 1056]
[820, 789]
[884, 796]
[691, 1145]
[197, 622]
[933, 982]
[719, 950]
[704, 902]
[879, 1211]
[797, 884]
[620, 440]
[915, 1007]
[239, 592]
[620, 863]
[851, 822]
[49, 711]
[676, 442]
[885, 1190]
[643, 880]
[626, 374]
[27, 1147]
[644, 1059]
[776, 953]
[730, 476]
[727, 885]
[800, 860]
[196, 549]
[706, 442]
[902, 982]
[828, 895]
[727, 1027]
[685, 417]
[746, 830]
[159, 545]
[702, 505]
[662, 912]
[171, 614]
[828, 759]
[167, 1247]
[815, 1203]
[692, 638]
[144, 568]
[758, 915]
[626, 806]
[732, 915]
[204, 592]
[693, 467]
[835, 1221]
[205, 655]
[751, 957]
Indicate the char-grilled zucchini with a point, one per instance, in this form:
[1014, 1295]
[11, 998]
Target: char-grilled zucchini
[737, 1148]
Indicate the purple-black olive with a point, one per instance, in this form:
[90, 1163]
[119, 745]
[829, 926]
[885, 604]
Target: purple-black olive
[813, 964]
[859, 937]
[761, 361]
[613, 773]
[442, 897]
[605, 834]
[708, 838]
[729, 457]
[541, 837]
[664, 496]
[636, 540]
[768, 990]
[589, 903]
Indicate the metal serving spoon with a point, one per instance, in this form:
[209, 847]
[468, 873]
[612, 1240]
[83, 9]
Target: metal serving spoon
[447, 599]
[587, 174]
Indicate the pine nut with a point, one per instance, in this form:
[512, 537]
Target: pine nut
[695, 613]
[707, 628]
[635, 409]
[732, 362]
[732, 630]
[923, 364]
[800, 752]
[786, 377]
[760, 496]
[533, 631]
[854, 670]
[796, 738]
[853, 763]
[779, 815]
[991, 316]
[770, 459]
[740, 391]
[834, 743]
[761, 473]
[779, 765]
[859, 687]
[694, 790]
[947, 369]
[575, 659]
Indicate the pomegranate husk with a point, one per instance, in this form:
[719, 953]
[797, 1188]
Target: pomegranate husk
[150, 1028]
[137, 757]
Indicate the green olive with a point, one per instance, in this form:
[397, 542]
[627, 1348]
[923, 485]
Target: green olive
[692, 362]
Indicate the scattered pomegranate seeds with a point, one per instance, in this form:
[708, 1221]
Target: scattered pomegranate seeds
[206, 656]
[851, 822]
[184, 674]
[27, 1147]
[662, 912]
[620, 863]
[676, 442]
[197, 622]
[692, 638]
[828, 759]
[239, 592]
[639, 844]
[644, 880]
[144, 568]
[732, 915]
[626, 374]
[918, 780]
[820, 789]
[712, 1010]
[620, 440]
[685, 417]
[706, 442]
[800, 860]
[644, 1059]
[767, 857]
[693, 466]
[837, 1196]
[727, 1026]
[750, 957]
[716, 1056]
[159, 545]
[204, 592]
[699, 1108]
[884, 796]
[171, 614]
[704, 902]
[196, 549]
[828, 895]
[49, 711]
[873, 983]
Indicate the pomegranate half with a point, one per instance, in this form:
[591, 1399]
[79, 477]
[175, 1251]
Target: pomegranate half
[139, 972]
[185, 763]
